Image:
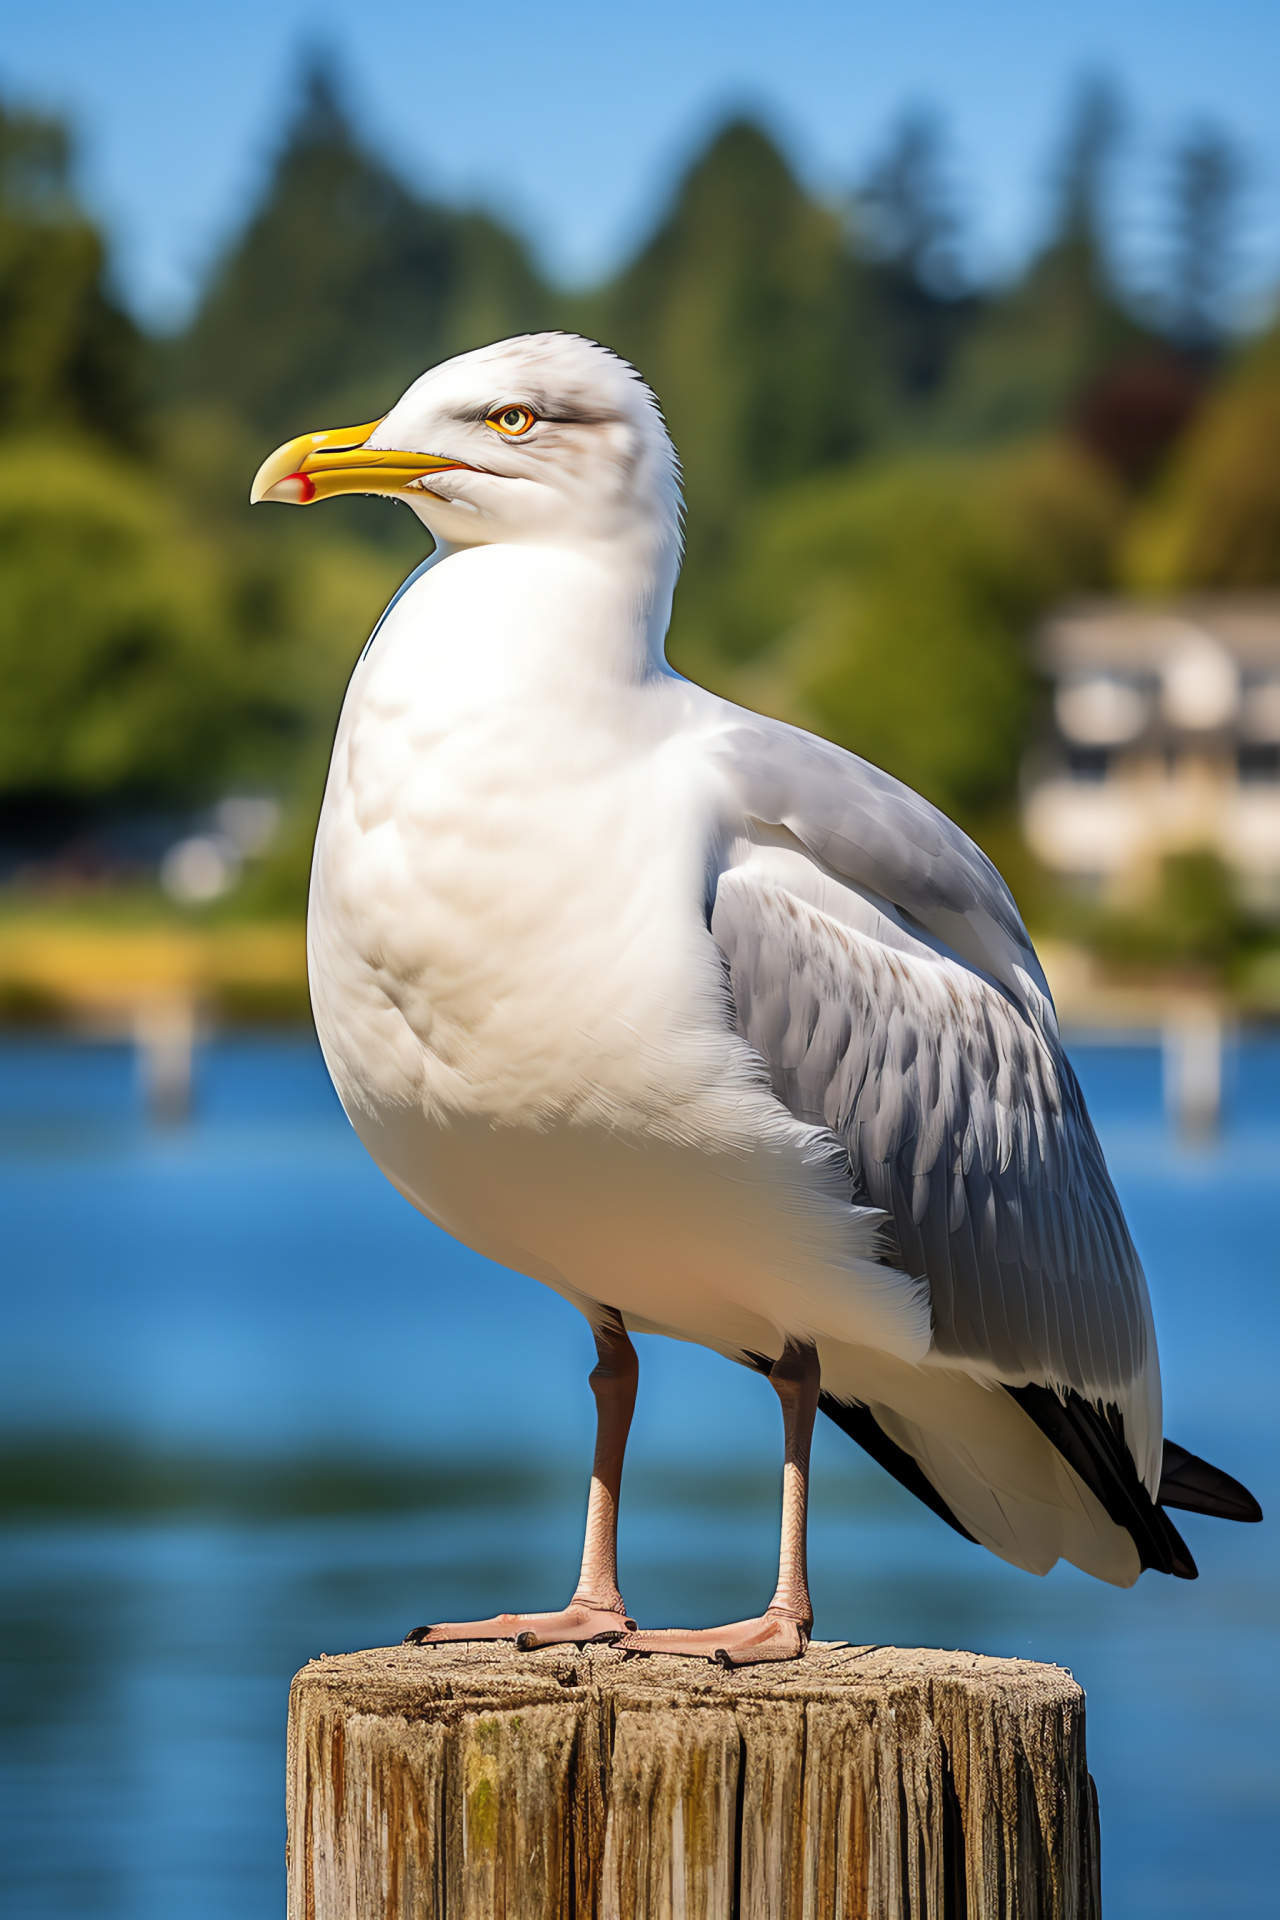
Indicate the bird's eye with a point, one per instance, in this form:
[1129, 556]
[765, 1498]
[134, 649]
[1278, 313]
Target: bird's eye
[512, 421]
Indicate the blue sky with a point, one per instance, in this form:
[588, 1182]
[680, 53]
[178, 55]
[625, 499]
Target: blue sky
[572, 120]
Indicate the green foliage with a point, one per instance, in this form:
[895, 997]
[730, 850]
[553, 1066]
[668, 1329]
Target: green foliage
[1192, 920]
[109, 662]
[136, 658]
[776, 346]
[103, 1473]
[158, 644]
[887, 607]
[1034, 353]
[345, 286]
[68, 356]
[887, 472]
[736, 313]
[1216, 521]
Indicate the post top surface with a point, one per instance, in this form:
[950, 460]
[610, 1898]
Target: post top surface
[440, 1682]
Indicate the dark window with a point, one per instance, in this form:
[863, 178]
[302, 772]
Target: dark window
[1088, 763]
[1259, 762]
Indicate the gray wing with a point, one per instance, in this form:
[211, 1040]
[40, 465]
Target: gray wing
[940, 1070]
[869, 828]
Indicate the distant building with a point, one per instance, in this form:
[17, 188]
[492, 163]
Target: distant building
[1166, 737]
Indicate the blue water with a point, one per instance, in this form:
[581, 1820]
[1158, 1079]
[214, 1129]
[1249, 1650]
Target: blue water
[246, 1296]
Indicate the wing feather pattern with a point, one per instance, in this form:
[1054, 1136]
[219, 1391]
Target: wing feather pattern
[878, 965]
[864, 825]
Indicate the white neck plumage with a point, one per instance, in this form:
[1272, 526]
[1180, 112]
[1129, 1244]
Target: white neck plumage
[550, 616]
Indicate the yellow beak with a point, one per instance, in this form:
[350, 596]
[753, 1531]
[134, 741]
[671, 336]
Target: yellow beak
[315, 466]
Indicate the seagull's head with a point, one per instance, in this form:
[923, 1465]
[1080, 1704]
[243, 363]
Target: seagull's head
[546, 439]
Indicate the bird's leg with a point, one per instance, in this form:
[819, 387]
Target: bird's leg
[782, 1631]
[613, 1382]
[597, 1610]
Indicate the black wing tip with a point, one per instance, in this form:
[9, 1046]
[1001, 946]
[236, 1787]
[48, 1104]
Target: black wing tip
[1091, 1441]
[1195, 1486]
[1181, 1565]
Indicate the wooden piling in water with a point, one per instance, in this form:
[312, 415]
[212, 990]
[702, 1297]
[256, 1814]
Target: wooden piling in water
[478, 1783]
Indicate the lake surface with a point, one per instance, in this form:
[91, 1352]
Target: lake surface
[254, 1408]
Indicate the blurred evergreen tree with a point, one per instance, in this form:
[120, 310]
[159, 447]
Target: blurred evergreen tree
[904, 210]
[905, 222]
[783, 338]
[741, 314]
[889, 474]
[69, 355]
[1061, 326]
[149, 651]
[1207, 177]
[345, 285]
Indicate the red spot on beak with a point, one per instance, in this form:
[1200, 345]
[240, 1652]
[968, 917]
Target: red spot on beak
[305, 484]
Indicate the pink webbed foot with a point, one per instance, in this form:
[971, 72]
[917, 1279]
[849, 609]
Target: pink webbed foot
[578, 1623]
[774, 1636]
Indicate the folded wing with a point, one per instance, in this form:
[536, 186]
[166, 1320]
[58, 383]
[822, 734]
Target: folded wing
[879, 966]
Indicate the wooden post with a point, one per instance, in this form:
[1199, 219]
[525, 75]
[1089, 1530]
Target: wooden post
[478, 1783]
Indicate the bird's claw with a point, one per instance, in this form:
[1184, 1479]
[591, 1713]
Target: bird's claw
[576, 1625]
[773, 1636]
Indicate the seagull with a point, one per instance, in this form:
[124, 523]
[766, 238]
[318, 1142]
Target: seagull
[708, 1025]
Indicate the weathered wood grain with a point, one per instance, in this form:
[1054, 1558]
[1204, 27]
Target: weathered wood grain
[862, 1783]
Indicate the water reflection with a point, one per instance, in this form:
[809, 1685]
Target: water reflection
[282, 1358]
